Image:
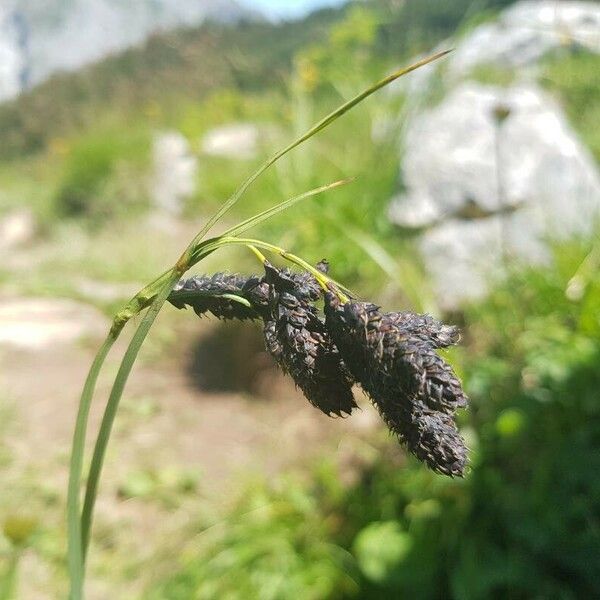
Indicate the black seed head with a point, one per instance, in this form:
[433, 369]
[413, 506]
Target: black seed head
[392, 356]
[205, 294]
[426, 328]
[438, 443]
[301, 345]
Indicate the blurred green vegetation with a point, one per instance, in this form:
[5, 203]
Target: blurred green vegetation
[332, 225]
[91, 160]
[524, 522]
[30, 513]
[103, 177]
[276, 544]
[191, 63]
[572, 75]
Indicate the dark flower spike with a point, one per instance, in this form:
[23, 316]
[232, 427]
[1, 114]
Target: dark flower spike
[294, 334]
[426, 328]
[224, 295]
[210, 294]
[436, 384]
[299, 342]
[414, 389]
[439, 444]
[302, 285]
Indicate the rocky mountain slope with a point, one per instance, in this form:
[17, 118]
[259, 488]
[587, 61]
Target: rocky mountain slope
[40, 37]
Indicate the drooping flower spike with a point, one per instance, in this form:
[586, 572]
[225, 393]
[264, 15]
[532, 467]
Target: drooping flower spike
[235, 296]
[414, 389]
[391, 355]
[217, 295]
[294, 334]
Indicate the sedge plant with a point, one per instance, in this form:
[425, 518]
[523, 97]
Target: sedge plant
[152, 298]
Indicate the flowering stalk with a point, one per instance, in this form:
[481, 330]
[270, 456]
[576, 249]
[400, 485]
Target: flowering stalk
[152, 297]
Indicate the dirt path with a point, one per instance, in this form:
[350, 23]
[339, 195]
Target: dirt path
[172, 446]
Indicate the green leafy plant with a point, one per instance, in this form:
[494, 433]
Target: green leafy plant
[101, 177]
[151, 298]
[272, 545]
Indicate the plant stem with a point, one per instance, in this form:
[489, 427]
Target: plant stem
[261, 257]
[111, 410]
[73, 524]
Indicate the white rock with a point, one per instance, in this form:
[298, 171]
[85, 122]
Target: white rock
[38, 323]
[16, 228]
[236, 140]
[485, 189]
[464, 258]
[174, 173]
[12, 56]
[526, 31]
[462, 255]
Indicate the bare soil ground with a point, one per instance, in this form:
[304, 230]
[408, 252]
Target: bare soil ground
[166, 427]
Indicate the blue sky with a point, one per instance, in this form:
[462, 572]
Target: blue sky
[289, 8]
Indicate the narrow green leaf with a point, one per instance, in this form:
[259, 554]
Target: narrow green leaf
[111, 411]
[322, 124]
[274, 210]
[261, 217]
[76, 571]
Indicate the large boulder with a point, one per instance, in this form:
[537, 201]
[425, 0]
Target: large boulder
[515, 40]
[526, 31]
[175, 172]
[490, 175]
[234, 140]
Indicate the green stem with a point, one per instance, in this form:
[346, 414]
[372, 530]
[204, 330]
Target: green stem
[73, 524]
[321, 278]
[75, 554]
[111, 410]
[261, 257]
